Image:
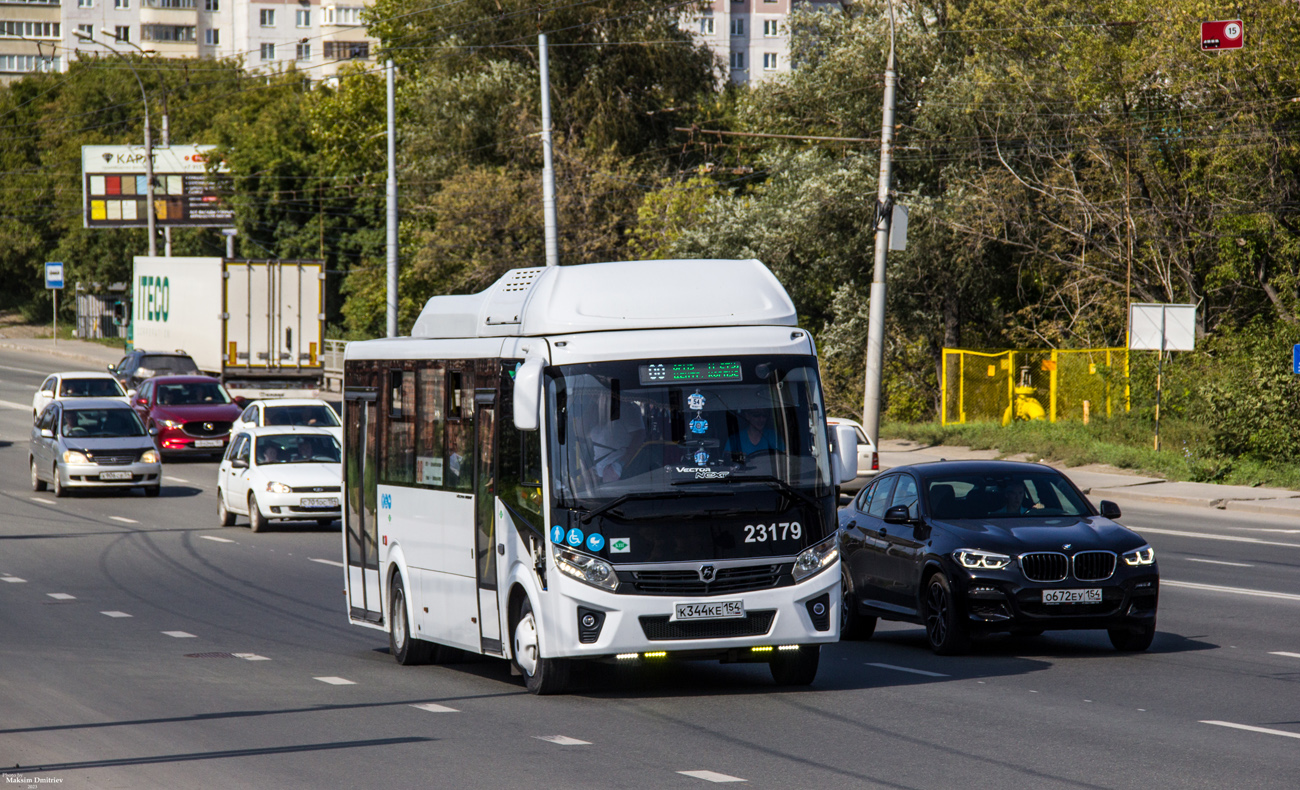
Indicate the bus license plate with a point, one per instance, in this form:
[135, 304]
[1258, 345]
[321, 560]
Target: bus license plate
[208, 442]
[717, 610]
[114, 475]
[321, 502]
[1072, 596]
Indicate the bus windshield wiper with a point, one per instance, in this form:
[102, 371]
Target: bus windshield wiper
[615, 502]
[771, 480]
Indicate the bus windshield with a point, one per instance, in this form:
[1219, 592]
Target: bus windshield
[635, 429]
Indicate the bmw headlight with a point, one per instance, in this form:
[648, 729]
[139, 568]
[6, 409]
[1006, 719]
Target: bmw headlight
[278, 488]
[1143, 556]
[149, 457]
[586, 568]
[74, 457]
[815, 559]
[978, 560]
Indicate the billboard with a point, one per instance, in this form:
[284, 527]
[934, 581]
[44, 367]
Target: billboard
[114, 192]
[1162, 327]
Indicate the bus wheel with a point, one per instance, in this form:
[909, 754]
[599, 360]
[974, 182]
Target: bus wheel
[401, 645]
[796, 667]
[541, 675]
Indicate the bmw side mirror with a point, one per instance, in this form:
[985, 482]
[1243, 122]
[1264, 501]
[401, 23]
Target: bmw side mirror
[1109, 509]
[898, 514]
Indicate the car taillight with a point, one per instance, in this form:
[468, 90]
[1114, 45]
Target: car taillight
[875, 461]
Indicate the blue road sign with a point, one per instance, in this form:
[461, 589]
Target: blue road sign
[53, 275]
[1295, 359]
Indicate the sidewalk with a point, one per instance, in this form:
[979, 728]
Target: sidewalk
[93, 356]
[1107, 482]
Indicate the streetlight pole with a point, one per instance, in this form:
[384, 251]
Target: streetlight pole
[148, 141]
[876, 308]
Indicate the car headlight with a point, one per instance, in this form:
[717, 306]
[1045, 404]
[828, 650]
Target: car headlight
[149, 457]
[278, 488]
[74, 457]
[977, 560]
[586, 568]
[815, 559]
[171, 423]
[1143, 556]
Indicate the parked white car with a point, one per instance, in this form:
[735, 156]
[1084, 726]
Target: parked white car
[76, 384]
[868, 458]
[286, 473]
[307, 412]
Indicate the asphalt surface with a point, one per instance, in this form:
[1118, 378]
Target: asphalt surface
[143, 646]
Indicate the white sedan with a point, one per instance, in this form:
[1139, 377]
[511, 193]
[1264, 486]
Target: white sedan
[284, 473]
[76, 384]
[307, 412]
[868, 458]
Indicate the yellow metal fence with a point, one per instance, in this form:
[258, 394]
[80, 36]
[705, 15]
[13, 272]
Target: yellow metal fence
[1033, 384]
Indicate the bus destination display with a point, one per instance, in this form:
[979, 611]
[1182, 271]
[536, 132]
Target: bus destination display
[689, 372]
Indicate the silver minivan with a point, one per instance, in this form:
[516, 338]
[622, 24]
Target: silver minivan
[93, 443]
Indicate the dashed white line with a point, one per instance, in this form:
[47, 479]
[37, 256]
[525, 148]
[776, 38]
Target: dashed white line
[175, 479]
[42, 501]
[180, 634]
[124, 520]
[11, 405]
[25, 370]
[115, 614]
[1286, 655]
[333, 681]
[1249, 728]
[1221, 562]
[562, 740]
[909, 669]
[250, 656]
[62, 596]
[215, 538]
[711, 776]
[1212, 536]
[1232, 590]
[434, 707]
[12, 579]
[335, 563]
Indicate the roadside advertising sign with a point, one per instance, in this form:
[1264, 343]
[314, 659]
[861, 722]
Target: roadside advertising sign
[114, 191]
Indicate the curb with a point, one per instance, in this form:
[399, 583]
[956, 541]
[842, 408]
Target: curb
[52, 351]
[1166, 499]
[1272, 507]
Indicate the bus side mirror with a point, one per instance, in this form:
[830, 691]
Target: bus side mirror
[528, 394]
[845, 458]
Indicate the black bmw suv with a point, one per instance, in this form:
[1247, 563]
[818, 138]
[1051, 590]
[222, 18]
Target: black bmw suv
[139, 365]
[965, 547]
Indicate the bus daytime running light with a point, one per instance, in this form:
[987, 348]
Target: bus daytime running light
[788, 647]
[628, 656]
[656, 654]
[763, 649]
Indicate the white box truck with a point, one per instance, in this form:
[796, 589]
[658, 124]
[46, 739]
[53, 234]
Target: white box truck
[257, 325]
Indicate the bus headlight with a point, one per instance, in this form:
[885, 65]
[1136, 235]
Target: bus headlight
[586, 568]
[815, 559]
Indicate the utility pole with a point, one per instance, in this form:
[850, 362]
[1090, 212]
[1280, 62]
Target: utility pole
[548, 167]
[884, 212]
[392, 206]
[166, 142]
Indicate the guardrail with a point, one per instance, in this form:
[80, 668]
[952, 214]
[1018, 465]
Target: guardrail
[333, 360]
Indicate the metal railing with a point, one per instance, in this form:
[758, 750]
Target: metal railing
[333, 360]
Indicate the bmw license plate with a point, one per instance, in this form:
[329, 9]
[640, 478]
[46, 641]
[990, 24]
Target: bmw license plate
[208, 443]
[716, 610]
[1072, 596]
[114, 475]
[320, 502]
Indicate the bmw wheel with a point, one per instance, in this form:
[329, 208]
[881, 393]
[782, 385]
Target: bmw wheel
[944, 626]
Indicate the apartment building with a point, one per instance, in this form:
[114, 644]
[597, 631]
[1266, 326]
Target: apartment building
[751, 37]
[317, 36]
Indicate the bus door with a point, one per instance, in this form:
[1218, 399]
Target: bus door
[485, 539]
[360, 474]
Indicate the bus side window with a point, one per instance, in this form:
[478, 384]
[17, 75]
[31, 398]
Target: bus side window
[520, 461]
[398, 453]
[459, 474]
[431, 429]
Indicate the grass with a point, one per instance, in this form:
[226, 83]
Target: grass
[1123, 442]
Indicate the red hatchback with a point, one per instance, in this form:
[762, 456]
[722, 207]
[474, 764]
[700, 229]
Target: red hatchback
[191, 414]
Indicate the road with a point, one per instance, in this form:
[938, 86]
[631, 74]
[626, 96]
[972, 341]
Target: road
[143, 646]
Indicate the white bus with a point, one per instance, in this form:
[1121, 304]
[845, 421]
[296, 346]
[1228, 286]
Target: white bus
[624, 462]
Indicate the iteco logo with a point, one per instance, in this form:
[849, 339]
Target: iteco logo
[152, 298]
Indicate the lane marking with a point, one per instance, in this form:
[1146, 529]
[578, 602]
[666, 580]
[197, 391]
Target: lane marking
[62, 596]
[1249, 728]
[1281, 653]
[435, 708]
[215, 538]
[909, 669]
[115, 614]
[1233, 590]
[711, 776]
[1221, 562]
[562, 740]
[43, 501]
[1211, 536]
[250, 656]
[11, 405]
[24, 370]
[333, 681]
[335, 563]
[124, 520]
[175, 479]
[12, 579]
[180, 634]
